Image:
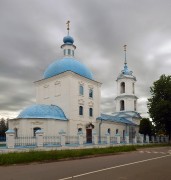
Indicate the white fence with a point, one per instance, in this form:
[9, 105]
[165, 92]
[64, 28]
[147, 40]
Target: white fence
[80, 140]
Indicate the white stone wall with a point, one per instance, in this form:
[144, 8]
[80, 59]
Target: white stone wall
[112, 126]
[63, 90]
[49, 126]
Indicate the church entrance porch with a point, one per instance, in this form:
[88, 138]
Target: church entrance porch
[89, 135]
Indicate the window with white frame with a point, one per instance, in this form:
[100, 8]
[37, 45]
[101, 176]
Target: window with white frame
[81, 110]
[91, 112]
[90, 93]
[81, 90]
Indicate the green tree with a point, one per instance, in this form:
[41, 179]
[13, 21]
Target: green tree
[146, 127]
[159, 104]
[3, 126]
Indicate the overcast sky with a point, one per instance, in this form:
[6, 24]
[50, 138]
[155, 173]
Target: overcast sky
[31, 32]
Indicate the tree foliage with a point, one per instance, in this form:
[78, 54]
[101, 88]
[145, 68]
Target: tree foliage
[3, 126]
[159, 104]
[146, 127]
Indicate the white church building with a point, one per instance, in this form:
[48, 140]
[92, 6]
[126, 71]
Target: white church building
[68, 99]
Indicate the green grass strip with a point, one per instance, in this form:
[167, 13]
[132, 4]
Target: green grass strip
[40, 156]
[54, 155]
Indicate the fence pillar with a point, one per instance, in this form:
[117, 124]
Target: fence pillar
[107, 138]
[118, 138]
[135, 140]
[10, 138]
[152, 139]
[127, 139]
[162, 139]
[167, 139]
[158, 139]
[62, 134]
[39, 138]
[80, 137]
[147, 139]
[141, 138]
[95, 138]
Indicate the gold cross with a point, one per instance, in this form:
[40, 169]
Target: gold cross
[125, 47]
[68, 25]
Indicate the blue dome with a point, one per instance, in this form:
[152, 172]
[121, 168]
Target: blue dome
[67, 64]
[68, 40]
[43, 111]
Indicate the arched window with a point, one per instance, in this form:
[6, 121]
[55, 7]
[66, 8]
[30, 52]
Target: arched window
[133, 88]
[81, 110]
[35, 129]
[108, 130]
[91, 93]
[90, 112]
[122, 88]
[69, 51]
[117, 131]
[122, 105]
[81, 90]
[79, 129]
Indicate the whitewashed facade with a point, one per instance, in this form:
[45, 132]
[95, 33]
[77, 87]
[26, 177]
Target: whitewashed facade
[68, 99]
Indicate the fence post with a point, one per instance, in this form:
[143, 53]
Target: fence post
[118, 138]
[62, 134]
[39, 138]
[80, 137]
[141, 138]
[135, 140]
[152, 139]
[107, 138]
[95, 139]
[10, 138]
[158, 139]
[147, 139]
[162, 139]
[127, 139]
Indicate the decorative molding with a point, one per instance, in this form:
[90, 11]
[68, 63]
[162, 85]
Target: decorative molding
[90, 104]
[46, 85]
[37, 122]
[81, 101]
[57, 83]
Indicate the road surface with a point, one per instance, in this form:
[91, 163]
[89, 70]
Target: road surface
[144, 164]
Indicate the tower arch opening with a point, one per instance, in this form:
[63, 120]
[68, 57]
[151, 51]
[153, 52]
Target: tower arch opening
[122, 87]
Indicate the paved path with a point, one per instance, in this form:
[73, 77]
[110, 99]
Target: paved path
[148, 164]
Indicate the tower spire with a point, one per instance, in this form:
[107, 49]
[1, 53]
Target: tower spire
[125, 53]
[68, 27]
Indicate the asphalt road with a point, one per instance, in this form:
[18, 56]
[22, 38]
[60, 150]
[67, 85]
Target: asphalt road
[144, 164]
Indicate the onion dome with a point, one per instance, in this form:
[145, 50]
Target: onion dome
[68, 40]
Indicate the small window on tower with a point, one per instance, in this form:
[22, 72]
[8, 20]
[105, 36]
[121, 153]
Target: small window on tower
[122, 105]
[135, 105]
[133, 88]
[122, 88]
[69, 51]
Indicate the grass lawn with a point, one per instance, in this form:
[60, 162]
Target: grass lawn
[44, 156]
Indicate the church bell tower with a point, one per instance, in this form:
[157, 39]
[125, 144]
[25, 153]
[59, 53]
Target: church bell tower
[126, 99]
